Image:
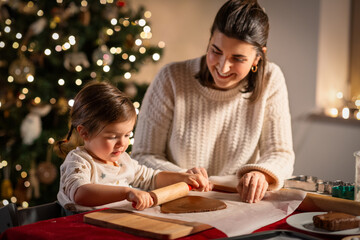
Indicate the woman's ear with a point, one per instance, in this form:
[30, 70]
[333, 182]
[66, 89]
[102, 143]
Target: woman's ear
[83, 133]
[258, 57]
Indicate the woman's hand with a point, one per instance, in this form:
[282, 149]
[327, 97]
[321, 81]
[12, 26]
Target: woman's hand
[201, 171]
[140, 199]
[252, 186]
[198, 179]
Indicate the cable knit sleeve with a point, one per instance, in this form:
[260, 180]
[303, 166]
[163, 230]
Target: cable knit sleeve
[154, 123]
[276, 156]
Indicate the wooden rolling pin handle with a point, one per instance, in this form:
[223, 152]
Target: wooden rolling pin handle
[169, 193]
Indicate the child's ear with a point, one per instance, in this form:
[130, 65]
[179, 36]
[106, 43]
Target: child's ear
[82, 132]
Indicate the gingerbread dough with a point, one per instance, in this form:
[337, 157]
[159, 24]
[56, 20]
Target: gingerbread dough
[192, 204]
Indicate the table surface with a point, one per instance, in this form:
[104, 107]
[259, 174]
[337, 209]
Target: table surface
[73, 227]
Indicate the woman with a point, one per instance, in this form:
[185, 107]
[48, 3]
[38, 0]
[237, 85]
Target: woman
[224, 113]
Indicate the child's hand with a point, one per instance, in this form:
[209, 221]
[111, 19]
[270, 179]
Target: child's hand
[140, 199]
[198, 182]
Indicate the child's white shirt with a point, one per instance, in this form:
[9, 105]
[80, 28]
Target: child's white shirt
[80, 168]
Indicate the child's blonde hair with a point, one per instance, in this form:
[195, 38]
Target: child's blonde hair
[95, 106]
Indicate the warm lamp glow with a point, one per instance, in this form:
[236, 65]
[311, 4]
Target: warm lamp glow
[332, 112]
[345, 113]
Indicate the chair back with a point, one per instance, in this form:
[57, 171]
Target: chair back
[39, 213]
[8, 216]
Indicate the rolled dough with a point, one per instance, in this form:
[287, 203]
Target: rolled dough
[192, 204]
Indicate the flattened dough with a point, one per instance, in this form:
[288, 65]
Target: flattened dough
[192, 204]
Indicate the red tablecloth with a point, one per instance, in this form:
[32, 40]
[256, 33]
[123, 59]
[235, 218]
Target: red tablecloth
[73, 227]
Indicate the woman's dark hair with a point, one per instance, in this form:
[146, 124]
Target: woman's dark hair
[95, 106]
[244, 20]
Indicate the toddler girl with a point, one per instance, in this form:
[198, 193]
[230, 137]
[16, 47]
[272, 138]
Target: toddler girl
[97, 170]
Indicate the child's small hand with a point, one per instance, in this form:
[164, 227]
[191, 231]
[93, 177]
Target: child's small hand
[140, 199]
[198, 182]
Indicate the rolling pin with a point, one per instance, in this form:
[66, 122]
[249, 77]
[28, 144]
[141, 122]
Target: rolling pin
[169, 193]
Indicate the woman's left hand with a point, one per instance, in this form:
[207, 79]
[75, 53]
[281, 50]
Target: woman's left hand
[252, 186]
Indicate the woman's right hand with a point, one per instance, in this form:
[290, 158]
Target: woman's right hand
[140, 199]
[199, 179]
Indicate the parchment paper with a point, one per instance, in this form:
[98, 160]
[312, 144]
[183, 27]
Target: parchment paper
[238, 218]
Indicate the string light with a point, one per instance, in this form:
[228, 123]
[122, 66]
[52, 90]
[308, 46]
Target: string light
[142, 50]
[84, 3]
[23, 174]
[55, 36]
[30, 78]
[40, 13]
[126, 23]
[47, 52]
[52, 100]
[127, 75]
[141, 22]
[25, 204]
[37, 100]
[113, 21]
[109, 32]
[147, 14]
[156, 56]
[138, 42]
[15, 45]
[72, 40]
[132, 58]
[78, 82]
[61, 82]
[51, 140]
[161, 44]
[71, 102]
[106, 68]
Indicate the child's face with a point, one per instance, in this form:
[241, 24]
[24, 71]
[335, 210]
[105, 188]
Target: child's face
[111, 142]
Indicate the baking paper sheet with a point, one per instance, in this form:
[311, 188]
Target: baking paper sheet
[238, 218]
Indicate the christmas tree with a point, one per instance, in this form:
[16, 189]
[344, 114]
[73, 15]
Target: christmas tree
[48, 51]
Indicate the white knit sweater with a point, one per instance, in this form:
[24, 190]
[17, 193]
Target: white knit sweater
[183, 124]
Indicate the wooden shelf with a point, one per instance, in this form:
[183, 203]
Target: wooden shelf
[339, 120]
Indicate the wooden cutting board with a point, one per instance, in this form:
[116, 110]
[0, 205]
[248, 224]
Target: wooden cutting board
[143, 225]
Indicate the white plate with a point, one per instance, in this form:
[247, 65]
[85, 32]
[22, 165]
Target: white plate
[303, 221]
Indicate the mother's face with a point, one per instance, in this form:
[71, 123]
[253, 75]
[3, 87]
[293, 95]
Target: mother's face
[229, 60]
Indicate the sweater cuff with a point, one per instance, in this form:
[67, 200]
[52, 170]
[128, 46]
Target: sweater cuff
[275, 185]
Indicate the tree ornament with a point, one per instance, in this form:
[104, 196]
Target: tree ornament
[31, 126]
[46, 172]
[85, 17]
[62, 106]
[20, 191]
[20, 69]
[120, 3]
[34, 183]
[38, 26]
[110, 12]
[102, 53]
[131, 90]
[129, 41]
[75, 59]
[4, 13]
[6, 187]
